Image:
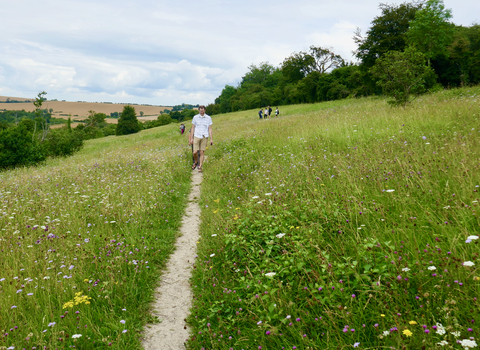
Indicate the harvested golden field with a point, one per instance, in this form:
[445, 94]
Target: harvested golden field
[79, 110]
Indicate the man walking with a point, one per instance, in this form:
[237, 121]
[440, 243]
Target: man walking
[201, 131]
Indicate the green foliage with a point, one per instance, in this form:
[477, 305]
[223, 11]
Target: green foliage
[402, 74]
[62, 142]
[128, 122]
[18, 147]
[164, 119]
[387, 33]
[430, 32]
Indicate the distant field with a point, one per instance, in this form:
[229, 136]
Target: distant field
[79, 110]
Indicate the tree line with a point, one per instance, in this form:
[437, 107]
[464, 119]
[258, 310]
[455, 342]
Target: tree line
[409, 49]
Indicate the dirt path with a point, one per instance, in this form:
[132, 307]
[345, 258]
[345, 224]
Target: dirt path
[173, 296]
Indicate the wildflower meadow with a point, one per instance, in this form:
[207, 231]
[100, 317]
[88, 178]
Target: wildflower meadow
[347, 224]
[83, 239]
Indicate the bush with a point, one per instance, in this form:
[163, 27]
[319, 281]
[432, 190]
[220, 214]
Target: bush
[18, 147]
[62, 143]
[164, 119]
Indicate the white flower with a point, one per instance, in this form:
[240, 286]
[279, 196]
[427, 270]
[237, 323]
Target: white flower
[76, 336]
[280, 235]
[405, 269]
[270, 274]
[443, 342]
[389, 190]
[455, 334]
[268, 194]
[468, 344]
[255, 197]
[431, 268]
[214, 235]
[472, 237]
[385, 333]
[212, 255]
[468, 263]
[440, 329]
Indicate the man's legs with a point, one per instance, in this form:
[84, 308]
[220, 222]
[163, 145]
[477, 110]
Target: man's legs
[202, 155]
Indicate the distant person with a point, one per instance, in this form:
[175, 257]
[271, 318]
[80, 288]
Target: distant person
[182, 128]
[260, 112]
[265, 114]
[201, 132]
[277, 112]
[195, 155]
[269, 111]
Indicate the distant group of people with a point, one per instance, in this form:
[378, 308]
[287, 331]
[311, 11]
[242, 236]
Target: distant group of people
[267, 113]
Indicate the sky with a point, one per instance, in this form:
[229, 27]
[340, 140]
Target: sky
[166, 53]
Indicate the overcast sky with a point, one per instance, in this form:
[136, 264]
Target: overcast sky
[168, 52]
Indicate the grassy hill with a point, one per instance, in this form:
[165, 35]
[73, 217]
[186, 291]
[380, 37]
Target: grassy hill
[337, 225]
[340, 225]
[79, 110]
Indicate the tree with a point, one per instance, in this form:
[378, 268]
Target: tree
[296, 67]
[128, 122]
[40, 119]
[323, 60]
[430, 32]
[263, 74]
[387, 32]
[402, 74]
[317, 59]
[141, 113]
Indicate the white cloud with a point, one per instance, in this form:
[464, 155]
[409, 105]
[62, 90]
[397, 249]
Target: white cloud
[163, 52]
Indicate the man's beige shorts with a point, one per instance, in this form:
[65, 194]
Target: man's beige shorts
[199, 144]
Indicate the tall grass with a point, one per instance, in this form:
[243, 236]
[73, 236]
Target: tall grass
[340, 225]
[83, 240]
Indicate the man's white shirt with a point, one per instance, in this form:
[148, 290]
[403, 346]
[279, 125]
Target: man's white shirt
[201, 125]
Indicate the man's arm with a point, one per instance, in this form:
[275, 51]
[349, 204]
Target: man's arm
[210, 134]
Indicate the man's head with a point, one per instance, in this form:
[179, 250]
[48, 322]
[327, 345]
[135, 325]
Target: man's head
[201, 109]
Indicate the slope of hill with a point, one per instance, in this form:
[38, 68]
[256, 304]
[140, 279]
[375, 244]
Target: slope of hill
[79, 110]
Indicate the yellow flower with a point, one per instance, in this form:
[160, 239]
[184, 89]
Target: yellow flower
[85, 280]
[407, 333]
[215, 211]
[412, 322]
[382, 315]
[217, 200]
